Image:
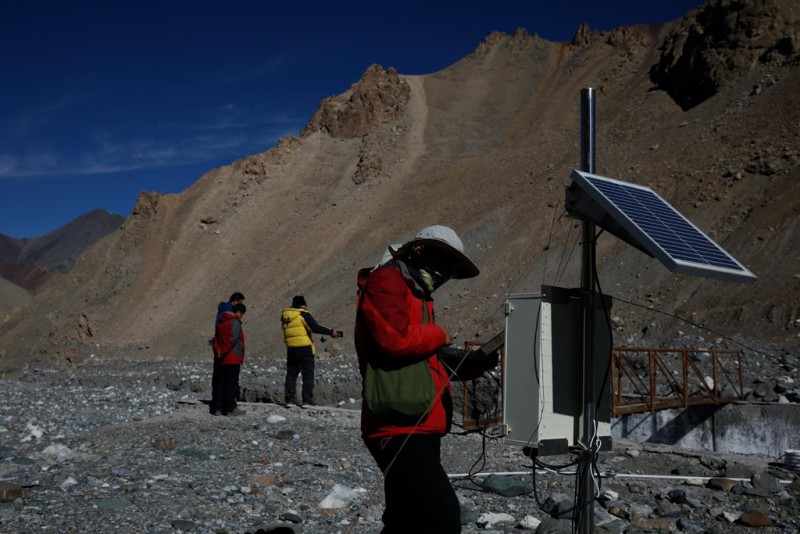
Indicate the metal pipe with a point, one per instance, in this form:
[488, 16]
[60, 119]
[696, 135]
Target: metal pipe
[585, 509]
[458, 476]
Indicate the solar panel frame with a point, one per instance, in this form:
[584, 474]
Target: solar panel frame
[662, 230]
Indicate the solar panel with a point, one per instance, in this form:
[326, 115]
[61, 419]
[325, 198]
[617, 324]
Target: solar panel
[652, 224]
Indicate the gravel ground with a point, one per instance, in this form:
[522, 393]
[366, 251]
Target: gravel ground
[130, 446]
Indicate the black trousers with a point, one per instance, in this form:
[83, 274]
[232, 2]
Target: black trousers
[295, 365]
[419, 496]
[224, 388]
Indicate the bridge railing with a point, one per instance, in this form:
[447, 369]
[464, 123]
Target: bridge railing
[650, 379]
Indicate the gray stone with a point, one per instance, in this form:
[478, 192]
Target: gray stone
[280, 528]
[291, 517]
[552, 501]
[765, 483]
[183, 525]
[113, 504]
[638, 509]
[564, 509]
[669, 510]
[742, 487]
[469, 516]
[688, 527]
[552, 525]
[618, 526]
[737, 470]
[192, 452]
[507, 486]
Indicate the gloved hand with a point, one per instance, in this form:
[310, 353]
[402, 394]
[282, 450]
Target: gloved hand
[467, 366]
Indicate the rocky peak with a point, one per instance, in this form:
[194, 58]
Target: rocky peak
[722, 41]
[378, 98]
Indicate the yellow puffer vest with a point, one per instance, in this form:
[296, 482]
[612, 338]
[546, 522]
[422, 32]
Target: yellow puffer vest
[296, 333]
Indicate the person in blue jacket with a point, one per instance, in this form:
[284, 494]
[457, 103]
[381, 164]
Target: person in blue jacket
[216, 375]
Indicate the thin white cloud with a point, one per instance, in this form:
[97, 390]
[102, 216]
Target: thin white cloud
[264, 69]
[230, 116]
[30, 120]
[113, 157]
[223, 79]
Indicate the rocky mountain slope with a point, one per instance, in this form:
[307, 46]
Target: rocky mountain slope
[32, 263]
[704, 109]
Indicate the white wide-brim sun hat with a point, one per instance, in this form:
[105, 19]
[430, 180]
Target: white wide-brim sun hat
[445, 240]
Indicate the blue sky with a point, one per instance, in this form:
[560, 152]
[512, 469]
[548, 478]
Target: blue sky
[100, 100]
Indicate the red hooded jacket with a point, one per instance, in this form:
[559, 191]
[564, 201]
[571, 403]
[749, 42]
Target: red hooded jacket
[389, 324]
[229, 339]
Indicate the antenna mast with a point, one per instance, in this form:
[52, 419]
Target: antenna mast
[585, 506]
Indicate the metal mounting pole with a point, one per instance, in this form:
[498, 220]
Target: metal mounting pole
[585, 509]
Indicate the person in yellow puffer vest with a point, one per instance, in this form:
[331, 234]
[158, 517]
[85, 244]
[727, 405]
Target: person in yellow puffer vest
[298, 325]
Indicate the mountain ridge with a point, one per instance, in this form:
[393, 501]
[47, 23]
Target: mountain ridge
[485, 146]
[31, 265]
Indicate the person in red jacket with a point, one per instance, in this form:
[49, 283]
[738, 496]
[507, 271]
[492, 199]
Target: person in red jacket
[228, 358]
[395, 323]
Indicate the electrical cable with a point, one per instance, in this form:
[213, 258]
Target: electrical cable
[563, 267]
[696, 325]
[550, 240]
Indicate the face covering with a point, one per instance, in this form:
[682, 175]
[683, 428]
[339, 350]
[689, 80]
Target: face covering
[427, 280]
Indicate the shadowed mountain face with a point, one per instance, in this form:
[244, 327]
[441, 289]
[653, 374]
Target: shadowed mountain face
[485, 146]
[33, 264]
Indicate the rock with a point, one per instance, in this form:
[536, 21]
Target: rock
[11, 492]
[763, 485]
[69, 482]
[469, 516]
[183, 525]
[619, 512]
[264, 481]
[564, 510]
[529, 523]
[731, 517]
[251, 476]
[551, 525]
[492, 520]
[638, 509]
[279, 528]
[721, 484]
[164, 444]
[609, 495]
[192, 452]
[657, 524]
[291, 517]
[755, 518]
[669, 510]
[688, 527]
[506, 486]
[551, 503]
[339, 497]
[633, 453]
[275, 418]
[739, 471]
[285, 435]
[58, 453]
[113, 504]
[614, 527]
